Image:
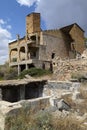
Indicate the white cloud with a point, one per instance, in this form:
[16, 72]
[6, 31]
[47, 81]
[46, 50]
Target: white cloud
[59, 13]
[2, 21]
[27, 2]
[5, 36]
[9, 27]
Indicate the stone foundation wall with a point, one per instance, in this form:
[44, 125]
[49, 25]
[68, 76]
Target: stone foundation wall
[56, 88]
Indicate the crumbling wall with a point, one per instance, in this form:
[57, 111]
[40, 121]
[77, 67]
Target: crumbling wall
[53, 42]
[16, 115]
[17, 92]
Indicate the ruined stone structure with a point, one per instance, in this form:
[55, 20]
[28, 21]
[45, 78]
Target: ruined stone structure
[24, 89]
[38, 48]
[25, 98]
[16, 90]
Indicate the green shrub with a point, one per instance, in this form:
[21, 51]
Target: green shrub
[34, 72]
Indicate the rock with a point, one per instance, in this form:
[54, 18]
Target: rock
[84, 54]
[76, 95]
[62, 105]
[28, 76]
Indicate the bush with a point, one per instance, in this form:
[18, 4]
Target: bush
[34, 72]
[7, 73]
[11, 73]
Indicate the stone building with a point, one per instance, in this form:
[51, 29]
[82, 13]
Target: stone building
[38, 48]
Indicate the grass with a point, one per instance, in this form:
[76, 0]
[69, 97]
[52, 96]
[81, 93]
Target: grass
[34, 72]
[79, 75]
[83, 95]
[83, 90]
[42, 121]
[80, 105]
[68, 99]
[1, 78]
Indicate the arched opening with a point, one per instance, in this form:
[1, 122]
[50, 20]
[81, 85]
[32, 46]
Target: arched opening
[22, 53]
[13, 55]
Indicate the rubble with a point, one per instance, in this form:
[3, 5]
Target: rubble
[63, 69]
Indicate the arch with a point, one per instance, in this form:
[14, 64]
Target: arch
[13, 55]
[22, 53]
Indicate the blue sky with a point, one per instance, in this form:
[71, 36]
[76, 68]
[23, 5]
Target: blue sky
[14, 14]
[54, 14]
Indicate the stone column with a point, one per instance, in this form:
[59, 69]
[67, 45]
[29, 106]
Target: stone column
[19, 69]
[18, 55]
[0, 94]
[18, 48]
[26, 52]
[22, 92]
[9, 55]
[26, 67]
[37, 39]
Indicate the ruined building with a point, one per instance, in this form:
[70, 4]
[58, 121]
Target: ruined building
[38, 48]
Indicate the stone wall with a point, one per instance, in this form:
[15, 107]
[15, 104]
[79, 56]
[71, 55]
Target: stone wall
[33, 23]
[56, 88]
[78, 36]
[53, 44]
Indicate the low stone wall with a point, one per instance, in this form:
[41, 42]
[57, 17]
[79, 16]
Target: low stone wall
[56, 88]
[59, 85]
[13, 113]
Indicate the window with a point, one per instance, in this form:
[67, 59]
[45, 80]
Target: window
[53, 55]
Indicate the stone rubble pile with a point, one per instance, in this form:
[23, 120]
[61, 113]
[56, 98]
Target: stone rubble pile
[63, 69]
